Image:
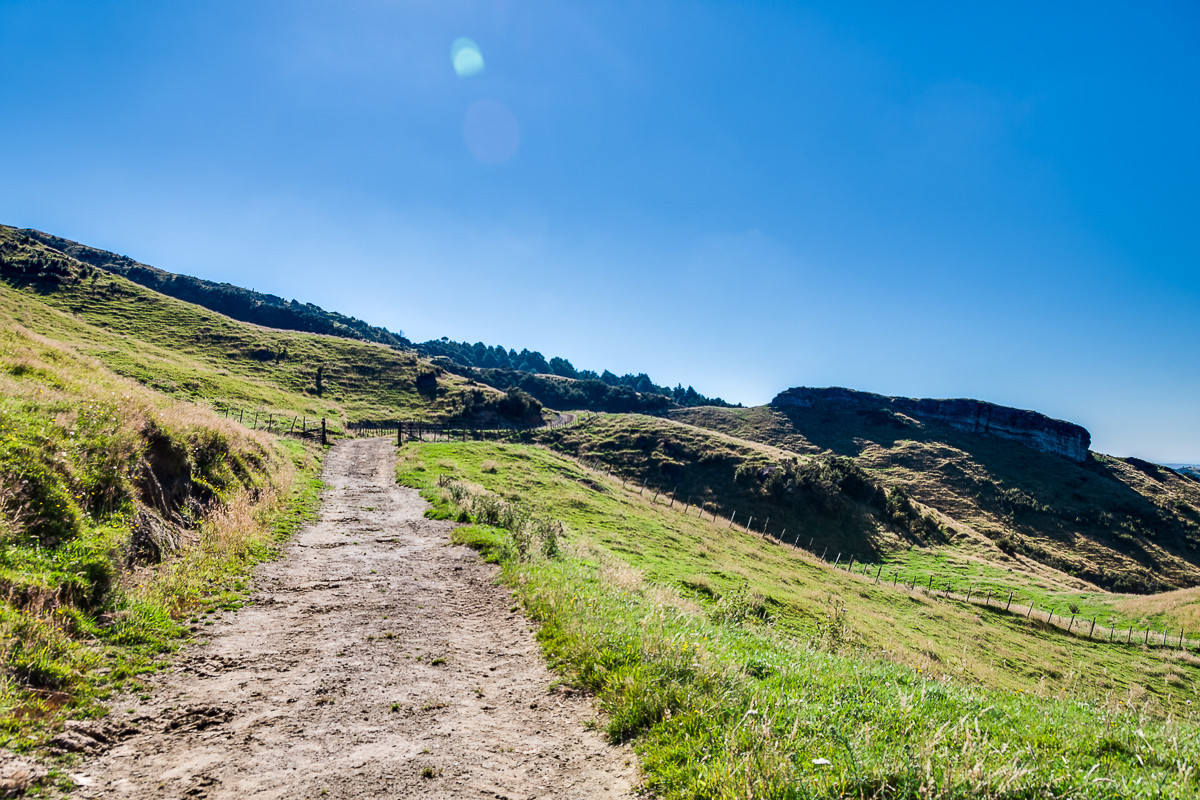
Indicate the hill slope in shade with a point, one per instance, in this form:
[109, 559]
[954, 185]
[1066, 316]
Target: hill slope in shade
[1121, 524]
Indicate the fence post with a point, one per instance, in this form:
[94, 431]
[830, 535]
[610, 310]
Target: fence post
[930, 584]
[850, 563]
[1030, 611]
[1069, 624]
[837, 560]
[969, 590]
[748, 524]
[878, 572]
[1147, 641]
[323, 439]
[731, 516]
[823, 552]
[1009, 603]
[765, 526]
[988, 602]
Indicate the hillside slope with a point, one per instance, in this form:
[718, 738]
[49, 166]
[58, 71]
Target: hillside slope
[188, 351]
[241, 304]
[1121, 524]
[553, 382]
[121, 511]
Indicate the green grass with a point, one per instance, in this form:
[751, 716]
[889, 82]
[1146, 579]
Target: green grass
[82, 612]
[189, 352]
[659, 616]
[706, 560]
[1118, 524]
[967, 545]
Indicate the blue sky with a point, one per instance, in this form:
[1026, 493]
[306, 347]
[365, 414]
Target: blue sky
[992, 200]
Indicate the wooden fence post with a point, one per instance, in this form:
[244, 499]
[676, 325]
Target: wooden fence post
[323, 439]
[838, 560]
[988, 602]
[1009, 603]
[878, 573]
[731, 516]
[850, 563]
[1069, 624]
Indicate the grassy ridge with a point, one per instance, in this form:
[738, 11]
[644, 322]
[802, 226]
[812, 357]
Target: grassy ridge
[661, 616]
[188, 352]
[1119, 524]
[121, 513]
[827, 499]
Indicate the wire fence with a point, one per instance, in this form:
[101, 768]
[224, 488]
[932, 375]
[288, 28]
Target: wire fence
[988, 597]
[965, 591]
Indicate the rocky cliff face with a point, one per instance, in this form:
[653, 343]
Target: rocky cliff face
[1030, 428]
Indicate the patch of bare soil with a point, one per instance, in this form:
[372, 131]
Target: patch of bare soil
[376, 660]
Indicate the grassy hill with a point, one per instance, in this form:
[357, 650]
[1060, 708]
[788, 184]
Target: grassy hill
[233, 301]
[187, 351]
[735, 663]
[1118, 524]
[554, 382]
[825, 499]
[741, 668]
[123, 513]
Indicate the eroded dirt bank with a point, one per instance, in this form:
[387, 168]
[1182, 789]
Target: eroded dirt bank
[376, 661]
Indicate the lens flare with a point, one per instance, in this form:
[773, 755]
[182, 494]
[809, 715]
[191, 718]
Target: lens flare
[491, 131]
[466, 58]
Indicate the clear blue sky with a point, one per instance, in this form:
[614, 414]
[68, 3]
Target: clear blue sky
[992, 200]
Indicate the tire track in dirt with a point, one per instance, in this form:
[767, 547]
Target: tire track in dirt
[375, 661]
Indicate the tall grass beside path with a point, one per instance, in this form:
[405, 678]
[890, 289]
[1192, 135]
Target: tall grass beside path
[720, 704]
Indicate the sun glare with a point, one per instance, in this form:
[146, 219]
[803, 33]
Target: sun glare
[466, 58]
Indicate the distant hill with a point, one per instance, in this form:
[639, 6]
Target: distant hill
[1017, 484]
[496, 365]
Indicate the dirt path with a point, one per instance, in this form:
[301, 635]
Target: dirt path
[376, 661]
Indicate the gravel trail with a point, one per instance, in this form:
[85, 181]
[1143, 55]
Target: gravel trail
[376, 660]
